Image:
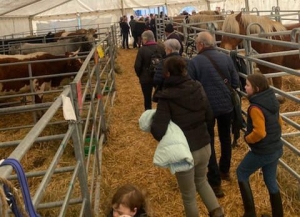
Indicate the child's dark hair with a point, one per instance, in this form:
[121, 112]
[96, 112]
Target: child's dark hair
[130, 196]
[259, 82]
[175, 65]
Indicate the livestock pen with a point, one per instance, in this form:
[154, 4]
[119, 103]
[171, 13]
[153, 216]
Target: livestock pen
[61, 150]
[127, 157]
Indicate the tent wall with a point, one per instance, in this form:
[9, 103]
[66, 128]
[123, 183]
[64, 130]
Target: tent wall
[11, 26]
[175, 6]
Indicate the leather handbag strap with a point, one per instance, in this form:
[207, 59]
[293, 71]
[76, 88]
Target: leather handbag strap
[218, 70]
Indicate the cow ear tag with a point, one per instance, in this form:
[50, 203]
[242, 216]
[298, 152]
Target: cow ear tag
[100, 51]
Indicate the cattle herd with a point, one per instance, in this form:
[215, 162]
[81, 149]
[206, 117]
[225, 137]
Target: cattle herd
[36, 64]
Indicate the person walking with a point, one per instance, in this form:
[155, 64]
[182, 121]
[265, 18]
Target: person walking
[142, 65]
[170, 33]
[132, 23]
[263, 137]
[153, 25]
[172, 48]
[125, 30]
[184, 102]
[201, 68]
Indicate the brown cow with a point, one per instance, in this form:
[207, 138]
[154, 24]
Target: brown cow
[39, 70]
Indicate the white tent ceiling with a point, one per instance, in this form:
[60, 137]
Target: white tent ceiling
[26, 15]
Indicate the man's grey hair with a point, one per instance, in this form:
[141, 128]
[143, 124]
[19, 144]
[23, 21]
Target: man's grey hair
[148, 35]
[172, 44]
[206, 39]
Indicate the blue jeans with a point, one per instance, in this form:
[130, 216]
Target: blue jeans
[252, 162]
[224, 125]
[193, 181]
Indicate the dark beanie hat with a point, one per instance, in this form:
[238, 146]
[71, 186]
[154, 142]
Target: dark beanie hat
[169, 28]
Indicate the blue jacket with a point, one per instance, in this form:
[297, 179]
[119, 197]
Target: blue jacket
[173, 150]
[158, 76]
[200, 68]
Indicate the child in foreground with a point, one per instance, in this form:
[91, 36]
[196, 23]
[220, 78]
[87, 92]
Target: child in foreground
[128, 201]
[263, 137]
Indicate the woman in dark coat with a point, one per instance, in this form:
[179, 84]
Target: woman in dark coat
[184, 102]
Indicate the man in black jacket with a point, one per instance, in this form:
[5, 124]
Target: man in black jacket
[132, 23]
[153, 25]
[142, 64]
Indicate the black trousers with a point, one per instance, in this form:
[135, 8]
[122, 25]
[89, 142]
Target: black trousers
[224, 123]
[125, 40]
[147, 92]
[135, 39]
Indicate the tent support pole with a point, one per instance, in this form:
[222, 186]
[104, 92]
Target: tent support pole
[208, 4]
[247, 5]
[122, 10]
[30, 18]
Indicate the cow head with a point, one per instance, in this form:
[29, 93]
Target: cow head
[73, 64]
[92, 32]
[87, 44]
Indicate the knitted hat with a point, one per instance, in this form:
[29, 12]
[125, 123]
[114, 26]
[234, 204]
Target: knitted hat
[169, 28]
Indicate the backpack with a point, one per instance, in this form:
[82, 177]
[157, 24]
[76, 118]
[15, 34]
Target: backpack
[156, 58]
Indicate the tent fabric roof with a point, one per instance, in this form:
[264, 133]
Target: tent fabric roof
[44, 8]
[21, 16]
[31, 8]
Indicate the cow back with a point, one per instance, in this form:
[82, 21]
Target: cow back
[39, 69]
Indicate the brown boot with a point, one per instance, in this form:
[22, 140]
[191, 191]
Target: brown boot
[218, 212]
[218, 191]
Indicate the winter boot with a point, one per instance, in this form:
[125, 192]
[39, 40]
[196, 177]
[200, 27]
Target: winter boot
[247, 199]
[276, 204]
[218, 212]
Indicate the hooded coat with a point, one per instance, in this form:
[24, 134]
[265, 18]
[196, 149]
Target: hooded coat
[183, 101]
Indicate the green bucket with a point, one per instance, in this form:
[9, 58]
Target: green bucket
[87, 146]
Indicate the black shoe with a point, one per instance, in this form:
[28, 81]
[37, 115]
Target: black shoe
[225, 176]
[218, 191]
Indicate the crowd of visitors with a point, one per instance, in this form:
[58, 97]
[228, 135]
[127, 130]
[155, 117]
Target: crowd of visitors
[194, 95]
